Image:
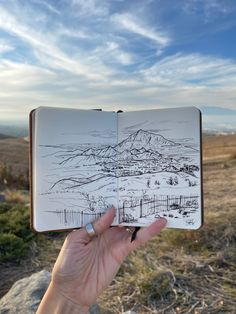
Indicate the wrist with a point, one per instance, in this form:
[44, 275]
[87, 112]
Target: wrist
[55, 302]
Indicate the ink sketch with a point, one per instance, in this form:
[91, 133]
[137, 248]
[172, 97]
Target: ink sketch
[147, 170]
[159, 167]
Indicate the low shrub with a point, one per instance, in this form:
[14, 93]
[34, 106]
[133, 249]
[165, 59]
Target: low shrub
[4, 207]
[15, 233]
[12, 247]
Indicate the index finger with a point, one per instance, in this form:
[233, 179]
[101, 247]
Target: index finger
[146, 233]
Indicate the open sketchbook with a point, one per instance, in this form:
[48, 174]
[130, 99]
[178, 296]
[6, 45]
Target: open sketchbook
[146, 163]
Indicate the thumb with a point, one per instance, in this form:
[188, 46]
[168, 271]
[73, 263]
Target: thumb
[103, 223]
[100, 225]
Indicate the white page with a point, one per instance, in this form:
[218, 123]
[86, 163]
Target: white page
[73, 156]
[160, 167]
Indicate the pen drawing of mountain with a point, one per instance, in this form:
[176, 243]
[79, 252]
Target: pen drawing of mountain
[139, 170]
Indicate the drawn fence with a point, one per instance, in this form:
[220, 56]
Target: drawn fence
[72, 217]
[132, 210]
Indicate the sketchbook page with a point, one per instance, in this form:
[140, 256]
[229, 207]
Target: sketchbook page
[160, 167]
[73, 167]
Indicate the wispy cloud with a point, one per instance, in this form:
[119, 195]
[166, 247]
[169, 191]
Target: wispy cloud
[192, 69]
[48, 6]
[131, 24]
[17, 75]
[35, 86]
[45, 49]
[72, 33]
[111, 52]
[90, 7]
[5, 46]
[209, 10]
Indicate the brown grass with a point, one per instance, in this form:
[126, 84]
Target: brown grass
[15, 152]
[219, 147]
[16, 196]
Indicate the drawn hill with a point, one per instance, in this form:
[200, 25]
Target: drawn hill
[142, 152]
[146, 139]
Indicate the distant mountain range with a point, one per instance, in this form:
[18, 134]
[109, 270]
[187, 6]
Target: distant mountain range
[140, 153]
[141, 145]
[4, 136]
[214, 110]
[13, 131]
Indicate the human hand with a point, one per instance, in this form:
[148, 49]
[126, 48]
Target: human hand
[86, 266]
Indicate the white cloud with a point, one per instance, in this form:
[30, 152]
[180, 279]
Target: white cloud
[208, 10]
[5, 46]
[111, 52]
[46, 49]
[73, 33]
[118, 54]
[131, 24]
[48, 6]
[17, 76]
[191, 69]
[167, 84]
[90, 7]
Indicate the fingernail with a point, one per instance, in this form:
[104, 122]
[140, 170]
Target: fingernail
[163, 221]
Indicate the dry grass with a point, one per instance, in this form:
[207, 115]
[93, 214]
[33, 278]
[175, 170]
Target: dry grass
[16, 196]
[219, 147]
[15, 153]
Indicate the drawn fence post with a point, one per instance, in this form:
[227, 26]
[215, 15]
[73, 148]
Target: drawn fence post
[65, 216]
[167, 202]
[141, 208]
[123, 211]
[154, 205]
[184, 202]
[82, 220]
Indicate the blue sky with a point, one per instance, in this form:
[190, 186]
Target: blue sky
[128, 55]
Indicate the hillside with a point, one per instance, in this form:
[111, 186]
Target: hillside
[15, 153]
[4, 136]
